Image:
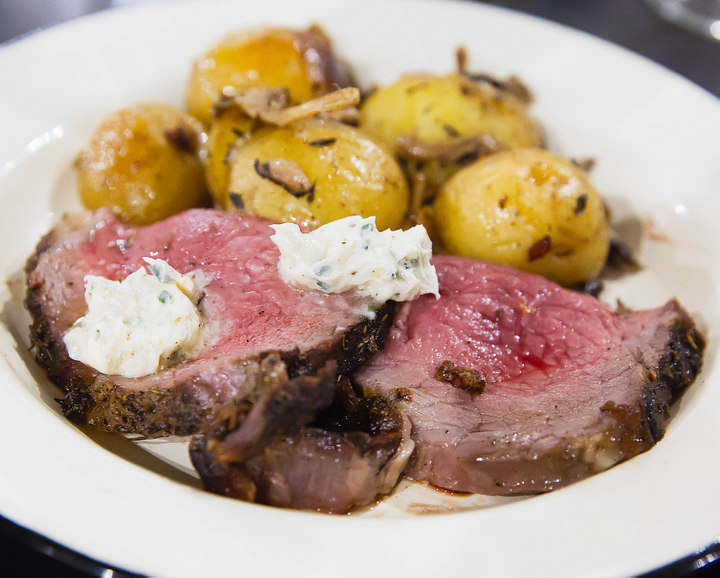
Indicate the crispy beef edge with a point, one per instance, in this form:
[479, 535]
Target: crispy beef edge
[636, 429]
[351, 350]
[179, 410]
[373, 424]
[95, 400]
[676, 370]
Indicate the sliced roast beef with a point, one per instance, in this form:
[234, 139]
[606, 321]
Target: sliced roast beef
[515, 385]
[289, 449]
[247, 311]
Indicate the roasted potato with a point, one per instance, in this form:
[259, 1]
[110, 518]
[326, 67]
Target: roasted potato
[527, 208]
[433, 108]
[435, 123]
[301, 61]
[315, 171]
[227, 131]
[239, 116]
[142, 163]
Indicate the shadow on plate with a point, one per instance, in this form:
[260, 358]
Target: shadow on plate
[17, 320]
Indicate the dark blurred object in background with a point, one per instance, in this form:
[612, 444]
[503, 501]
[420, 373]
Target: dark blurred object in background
[17, 17]
[698, 16]
[632, 24]
[628, 23]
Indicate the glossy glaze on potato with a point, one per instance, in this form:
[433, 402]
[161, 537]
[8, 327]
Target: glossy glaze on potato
[432, 110]
[300, 60]
[350, 174]
[528, 208]
[142, 163]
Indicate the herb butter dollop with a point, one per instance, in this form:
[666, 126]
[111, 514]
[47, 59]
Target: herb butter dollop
[139, 325]
[350, 254]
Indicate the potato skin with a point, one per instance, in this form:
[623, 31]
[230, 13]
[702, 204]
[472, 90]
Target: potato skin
[433, 108]
[142, 163]
[229, 130]
[301, 61]
[527, 208]
[352, 175]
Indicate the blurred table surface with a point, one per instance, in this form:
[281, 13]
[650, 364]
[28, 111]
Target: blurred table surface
[627, 23]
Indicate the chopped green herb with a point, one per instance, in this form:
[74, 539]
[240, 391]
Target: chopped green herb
[371, 308]
[322, 270]
[324, 286]
[410, 263]
[154, 270]
[164, 297]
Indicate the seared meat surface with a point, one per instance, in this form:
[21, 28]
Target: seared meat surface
[507, 384]
[247, 311]
[515, 385]
[290, 449]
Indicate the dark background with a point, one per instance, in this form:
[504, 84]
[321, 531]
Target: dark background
[628, 23]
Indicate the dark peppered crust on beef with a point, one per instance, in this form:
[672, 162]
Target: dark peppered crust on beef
[676, 371]
[98, 401]
[178, 411]
[293, 448]
[105, 402]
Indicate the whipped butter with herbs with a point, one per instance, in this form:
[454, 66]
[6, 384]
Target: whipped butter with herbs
[139, 325]
[350, 254]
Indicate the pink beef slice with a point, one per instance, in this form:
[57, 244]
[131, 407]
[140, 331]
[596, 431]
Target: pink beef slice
[247, 311]
[571, 387]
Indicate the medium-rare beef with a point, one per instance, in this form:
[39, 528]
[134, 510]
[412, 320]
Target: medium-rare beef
[247, 310]
[515, 385]
[289, 449]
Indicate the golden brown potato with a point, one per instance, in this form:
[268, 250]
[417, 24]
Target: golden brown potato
[239, 116]
[438, 115]
[142, 163]
[227, 131]
[527, 208]
[301, 61]
[433, 108]
[316, 171]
